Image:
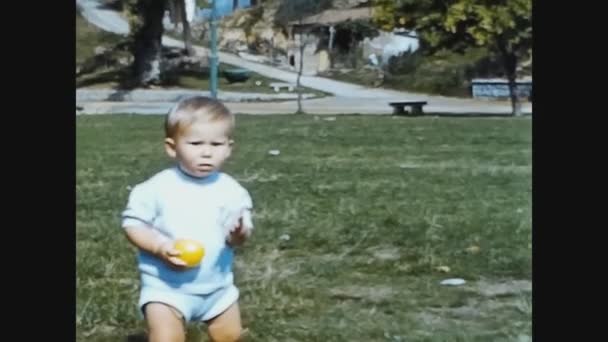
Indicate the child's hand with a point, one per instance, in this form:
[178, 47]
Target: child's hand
[170, 255]
[237, 237]
[241, 231]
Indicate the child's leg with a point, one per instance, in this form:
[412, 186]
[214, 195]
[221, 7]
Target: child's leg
[164, 323]
[226, 327]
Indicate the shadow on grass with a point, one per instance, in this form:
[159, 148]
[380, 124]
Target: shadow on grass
[107, 69]
[139, 337]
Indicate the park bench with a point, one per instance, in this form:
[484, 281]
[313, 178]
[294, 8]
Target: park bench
[398, 107]
[278, 86]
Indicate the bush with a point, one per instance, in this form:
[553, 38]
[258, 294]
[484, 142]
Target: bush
[445, 73]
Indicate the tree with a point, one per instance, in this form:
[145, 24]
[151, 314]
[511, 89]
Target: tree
[502, 26]
[146, 34]
[384, 14]
[186, 33]
[146, 21]
[296, 10]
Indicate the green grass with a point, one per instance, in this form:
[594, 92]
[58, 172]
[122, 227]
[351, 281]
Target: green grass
[372, 204]
[200, 80]
[88, 36]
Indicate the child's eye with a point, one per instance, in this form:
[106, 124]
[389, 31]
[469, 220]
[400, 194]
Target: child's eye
[217, 143]
[195, 143]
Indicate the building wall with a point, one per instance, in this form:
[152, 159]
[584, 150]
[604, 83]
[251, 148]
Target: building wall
[389, 44]
[313, 59]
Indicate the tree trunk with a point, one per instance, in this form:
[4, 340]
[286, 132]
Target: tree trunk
[186, 34]
[510, 65]
[301, 66]
[515, 103]
[353, 50]
[147, 45]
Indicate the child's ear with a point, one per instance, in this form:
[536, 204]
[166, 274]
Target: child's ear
[170, 148]
[230, 147]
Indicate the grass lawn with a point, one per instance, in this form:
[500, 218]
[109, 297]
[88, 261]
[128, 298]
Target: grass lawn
[374, 206]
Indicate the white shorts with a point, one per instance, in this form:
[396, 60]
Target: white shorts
[191, 307]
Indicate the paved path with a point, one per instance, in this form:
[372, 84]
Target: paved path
[174, 95]
[330, 105]
[106, 19]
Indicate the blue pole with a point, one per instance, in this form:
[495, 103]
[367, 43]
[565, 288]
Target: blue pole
[213, 58]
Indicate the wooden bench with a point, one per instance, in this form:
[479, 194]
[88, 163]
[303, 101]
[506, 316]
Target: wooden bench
[398, 107]
[278, 86]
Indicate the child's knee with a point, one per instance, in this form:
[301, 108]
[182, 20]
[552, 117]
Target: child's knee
[226, 333]
[164, 323]
[159, 334]
[166, 335]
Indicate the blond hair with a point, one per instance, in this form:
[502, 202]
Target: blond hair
[193, 109]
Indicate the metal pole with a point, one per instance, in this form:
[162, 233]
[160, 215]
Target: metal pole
[213, 59]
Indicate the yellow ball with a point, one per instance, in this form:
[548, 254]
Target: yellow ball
[191, 252]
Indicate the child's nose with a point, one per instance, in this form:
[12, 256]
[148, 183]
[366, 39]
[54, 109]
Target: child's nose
[206, 151]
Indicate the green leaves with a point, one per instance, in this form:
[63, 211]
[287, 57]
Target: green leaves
[452, 23]
[384, 14]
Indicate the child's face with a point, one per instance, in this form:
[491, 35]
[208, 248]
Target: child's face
[201, 148]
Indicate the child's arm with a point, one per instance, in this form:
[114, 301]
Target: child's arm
[153, 242]
[141, 209]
